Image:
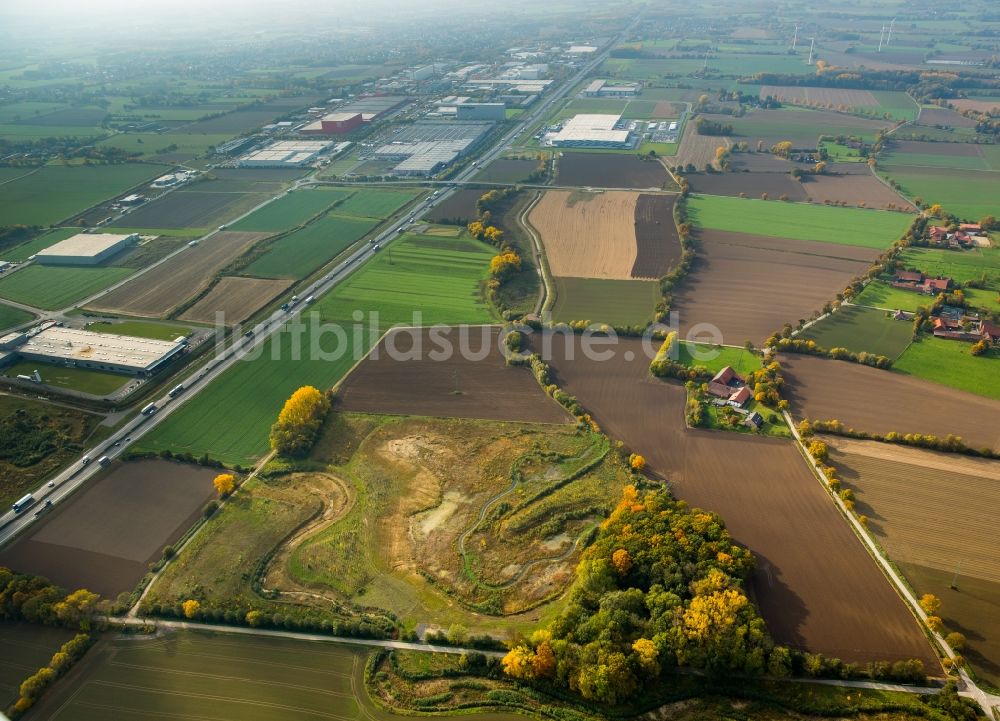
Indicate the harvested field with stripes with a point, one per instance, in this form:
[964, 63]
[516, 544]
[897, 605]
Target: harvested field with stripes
[167, 286]
[236, 299]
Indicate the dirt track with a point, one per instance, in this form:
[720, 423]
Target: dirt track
[456, 387]
[733, 284]
[587, 235]
[880, 401]
[236, 298]
[815, 584]
[183, 276]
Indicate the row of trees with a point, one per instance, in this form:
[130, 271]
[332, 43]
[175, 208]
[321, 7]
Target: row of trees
[24, 597]
[810, 347]
[950, 443]
[299, 422]
[34, 686]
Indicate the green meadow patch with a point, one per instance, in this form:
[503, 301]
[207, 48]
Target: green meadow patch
[799, 221]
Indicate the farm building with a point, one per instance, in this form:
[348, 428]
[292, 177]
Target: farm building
[100, 351]
[85, 249]
[285, 154]
[729, 387]
[916, 281]
[591, 131]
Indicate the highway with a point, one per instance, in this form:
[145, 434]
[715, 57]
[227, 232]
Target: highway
[64, 484]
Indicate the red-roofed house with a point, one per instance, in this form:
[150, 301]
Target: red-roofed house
[936, 285]
[970, 227]
[937, 233]
[741, 397]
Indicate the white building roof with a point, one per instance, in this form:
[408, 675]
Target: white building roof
[83, 244]
[83, 345]
[589, 121]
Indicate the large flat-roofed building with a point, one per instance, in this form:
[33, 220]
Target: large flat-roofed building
[601, 89]
[425, 148]
[481, 111]
[591, 131]
[334, 124]
[285, 154]
[85, 249]
[100, 351]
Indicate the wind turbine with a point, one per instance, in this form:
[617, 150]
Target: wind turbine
[795, 38]
[881, 38]
[812, 45]
[889, 37]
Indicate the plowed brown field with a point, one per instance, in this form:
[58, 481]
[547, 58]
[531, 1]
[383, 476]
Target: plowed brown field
[902, 490]
[853, 190]
[879, 401]
[179, 278]
[451, 387]
[752, 184]
[609, 170]
[817, 587]
[236, 298]
[734, 284]
[118, 524]
[658, 246]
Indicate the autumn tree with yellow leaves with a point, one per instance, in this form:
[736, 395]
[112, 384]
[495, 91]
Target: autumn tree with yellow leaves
[660, 587]
[224, 484]
[299, 422]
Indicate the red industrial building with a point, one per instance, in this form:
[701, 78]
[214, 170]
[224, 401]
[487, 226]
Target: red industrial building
[335, 124]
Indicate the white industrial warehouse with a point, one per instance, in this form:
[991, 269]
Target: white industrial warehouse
[591, 131]
[285, 154]
[100, 351]
[85, 249]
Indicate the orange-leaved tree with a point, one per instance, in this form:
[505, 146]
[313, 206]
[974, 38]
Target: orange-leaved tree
[299, 421]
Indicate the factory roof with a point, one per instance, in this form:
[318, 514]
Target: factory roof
[84, 244]
[340, 116]
[592, 121]
[72, 344]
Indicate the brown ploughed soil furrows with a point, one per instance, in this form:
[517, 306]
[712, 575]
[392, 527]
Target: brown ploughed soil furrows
[658, 247]
[816, 585]
[879, 401]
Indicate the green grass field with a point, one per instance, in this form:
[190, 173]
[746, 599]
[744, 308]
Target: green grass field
[291, 210]
[737, 358]
[375, 203]
[795, 122]
[959, 265]
[141, 329]
[951, 363]
[57, 192]
[155, 143]
[9, 317]
[858, 329]
[85, 380]
[617, 302]
[192, 674]
[899, 104]
[799, 221]
[879, 294]
[43, 241]
[440, 278]
[298, 254]
[968, 194]
[54, 287]
[927, 160]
